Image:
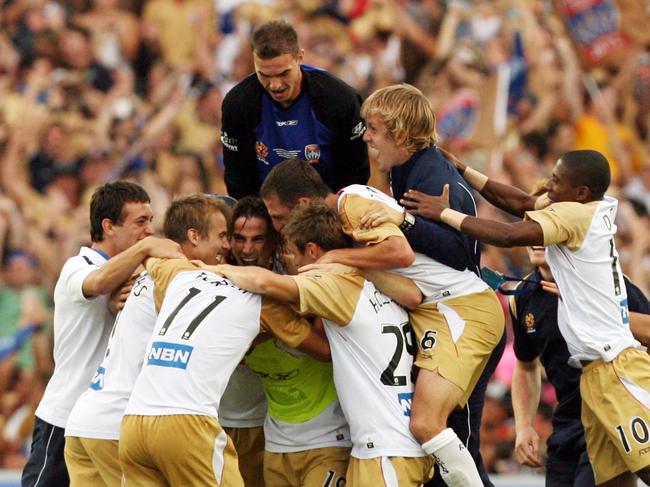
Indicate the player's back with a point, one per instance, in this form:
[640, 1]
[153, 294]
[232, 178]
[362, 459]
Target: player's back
[98, 411]
[593, 311]
[204, 328]
[372, 352]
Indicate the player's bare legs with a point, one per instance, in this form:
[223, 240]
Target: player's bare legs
[434, 399]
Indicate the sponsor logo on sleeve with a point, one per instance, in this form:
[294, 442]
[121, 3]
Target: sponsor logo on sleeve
[166, 354]
[229, 142]
[358, 130]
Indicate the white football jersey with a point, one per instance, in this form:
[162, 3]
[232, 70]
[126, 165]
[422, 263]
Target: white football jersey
[372, 353]
[437, 281]
[81, 330]
[204, 328]
[580, 250]
[98, 412]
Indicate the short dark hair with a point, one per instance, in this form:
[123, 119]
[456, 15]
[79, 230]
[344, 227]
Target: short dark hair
[318, 223]
[588, 168]
[192, 211]
[293, 179]
[108, 201]
[253, 207]
[275, 38]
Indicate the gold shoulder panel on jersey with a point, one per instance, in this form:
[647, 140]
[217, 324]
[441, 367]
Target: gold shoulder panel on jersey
[351, 208]
[286, 324]
[330, 296]
[565, 223]
[162, 271]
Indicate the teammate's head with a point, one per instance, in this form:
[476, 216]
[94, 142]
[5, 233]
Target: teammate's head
[400, 122]
[291, 183]
[120, 215]
[580, 175]
[277, 57]
[199, 223]
[253, 240]
[314, 228]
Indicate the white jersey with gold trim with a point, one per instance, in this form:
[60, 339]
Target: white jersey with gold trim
[372, 354]
[204, 328]
[581, 252]
[437, 281]
[98, 411]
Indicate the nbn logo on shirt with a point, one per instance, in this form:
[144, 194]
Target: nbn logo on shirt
[405, 399]
[97, 382]
[169, 355]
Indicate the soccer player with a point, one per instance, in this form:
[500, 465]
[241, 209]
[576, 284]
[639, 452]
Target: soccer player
[285, 110]
[243, 407]
[538, 343]
[170, 432]
[307, 436]
[120, 230]
[372, 349]
[576, 225]
[93, 428]
[458, 324]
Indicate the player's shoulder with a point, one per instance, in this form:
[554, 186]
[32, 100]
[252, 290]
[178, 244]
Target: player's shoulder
[323, 83]
[243, 94]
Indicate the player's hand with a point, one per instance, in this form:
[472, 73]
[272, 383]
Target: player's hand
[163, 248]
[378, 213]
[550, 287]
[333, 268]
[423, 204]
[118, 297]
[527, 447]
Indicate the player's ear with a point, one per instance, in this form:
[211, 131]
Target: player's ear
[583, 194]
[192, 236]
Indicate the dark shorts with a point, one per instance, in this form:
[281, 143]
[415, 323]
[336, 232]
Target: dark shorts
[46, 464]
[568, 464]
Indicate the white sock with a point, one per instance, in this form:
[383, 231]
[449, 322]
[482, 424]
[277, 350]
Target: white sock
[456, 465]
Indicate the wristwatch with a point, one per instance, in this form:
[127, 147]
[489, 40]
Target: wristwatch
[407, 224]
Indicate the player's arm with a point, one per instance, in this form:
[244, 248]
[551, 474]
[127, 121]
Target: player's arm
[508, 198]
[119, 268]
[499, 234]
[640, 327]
[392, 253]
[350, 152]
[526, 389]
[258, 280]
[399, 288]
[240, 161]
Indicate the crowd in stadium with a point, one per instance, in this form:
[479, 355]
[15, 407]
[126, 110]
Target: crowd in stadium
[97, 90]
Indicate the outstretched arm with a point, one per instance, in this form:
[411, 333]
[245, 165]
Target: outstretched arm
[505, 197]
[492, 232]
[258, 280]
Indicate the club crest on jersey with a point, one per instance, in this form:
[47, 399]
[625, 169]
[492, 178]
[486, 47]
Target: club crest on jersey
[312, 153]
[169, 355]
[529, 321]
[262, 151]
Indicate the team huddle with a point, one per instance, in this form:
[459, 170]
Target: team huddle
[313, 338]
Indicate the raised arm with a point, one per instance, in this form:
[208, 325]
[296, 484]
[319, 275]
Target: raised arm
[119, 268]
